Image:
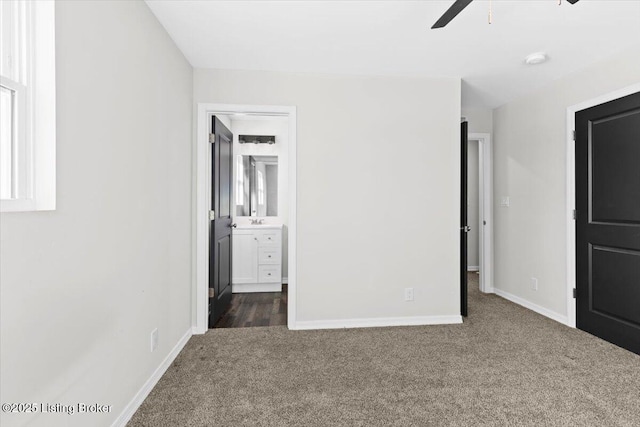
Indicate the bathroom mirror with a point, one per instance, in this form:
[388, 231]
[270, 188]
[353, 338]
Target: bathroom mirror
[256, 185]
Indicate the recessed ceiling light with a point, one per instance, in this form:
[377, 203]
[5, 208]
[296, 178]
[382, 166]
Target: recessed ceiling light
[536, 58]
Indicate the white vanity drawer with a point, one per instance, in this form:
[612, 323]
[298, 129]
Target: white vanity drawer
[269, 273]
[269, 238]
[269, 255]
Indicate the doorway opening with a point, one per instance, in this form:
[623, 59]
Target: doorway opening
[477, 215]
[257, 276]
[482, 215]
[259, 221]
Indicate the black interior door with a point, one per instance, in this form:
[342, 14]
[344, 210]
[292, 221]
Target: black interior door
[220, 223]
[464, 226]
[608, 221]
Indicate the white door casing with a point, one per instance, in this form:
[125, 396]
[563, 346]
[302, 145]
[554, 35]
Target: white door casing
[571, 190]
[201, 190]
[485, 217]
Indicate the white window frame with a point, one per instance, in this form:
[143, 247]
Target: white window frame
[20, 166]
[35, 181]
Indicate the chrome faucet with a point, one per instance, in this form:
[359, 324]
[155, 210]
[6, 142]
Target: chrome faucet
[256, 221]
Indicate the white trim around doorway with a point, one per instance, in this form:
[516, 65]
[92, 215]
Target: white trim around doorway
[571, 190]
[485, 217]
[202, 195]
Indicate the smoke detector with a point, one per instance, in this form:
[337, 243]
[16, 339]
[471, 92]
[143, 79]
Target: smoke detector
[536, 58]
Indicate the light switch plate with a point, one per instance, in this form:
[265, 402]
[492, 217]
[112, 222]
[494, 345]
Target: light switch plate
[505, 202]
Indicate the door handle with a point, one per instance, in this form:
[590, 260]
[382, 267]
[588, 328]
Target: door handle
[234, 225]
[466, 228]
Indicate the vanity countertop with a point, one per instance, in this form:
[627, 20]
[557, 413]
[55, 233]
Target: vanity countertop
[259, 226]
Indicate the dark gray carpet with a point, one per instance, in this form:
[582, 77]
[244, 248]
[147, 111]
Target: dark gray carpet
[504, 366]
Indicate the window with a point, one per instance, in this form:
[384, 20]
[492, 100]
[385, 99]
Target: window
[260, 188]
[239, 180]
[27, 105]
[7, 142]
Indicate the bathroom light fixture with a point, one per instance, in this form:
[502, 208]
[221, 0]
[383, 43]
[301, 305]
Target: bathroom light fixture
[536, 58]
[257, 139]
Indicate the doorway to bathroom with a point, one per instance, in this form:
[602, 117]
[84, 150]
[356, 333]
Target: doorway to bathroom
[259, 183]
[259, 222]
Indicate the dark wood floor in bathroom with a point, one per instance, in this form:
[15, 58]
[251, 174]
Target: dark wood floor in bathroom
[259, 309]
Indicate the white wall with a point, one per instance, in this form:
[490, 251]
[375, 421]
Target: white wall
[530, 168]
[473, 204]
[279, 127]
[83, 286]
[367, 148]
[480, 119]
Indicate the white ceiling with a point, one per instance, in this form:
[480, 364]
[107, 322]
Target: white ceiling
[394, 38]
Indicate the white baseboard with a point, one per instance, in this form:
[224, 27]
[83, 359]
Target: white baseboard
[531, 306]
[285, 280]
[377, 322]
[473, 268]
[247, 288]
[196, 331]
[141, 395]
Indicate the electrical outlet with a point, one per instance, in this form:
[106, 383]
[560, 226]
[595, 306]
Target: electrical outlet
[408, 294]
[534, 283]
[154, 339]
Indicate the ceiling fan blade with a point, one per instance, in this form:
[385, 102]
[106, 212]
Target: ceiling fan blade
[452, 12]
[573, 1]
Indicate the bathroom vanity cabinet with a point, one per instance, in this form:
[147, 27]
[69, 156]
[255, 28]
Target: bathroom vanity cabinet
[257, 258]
